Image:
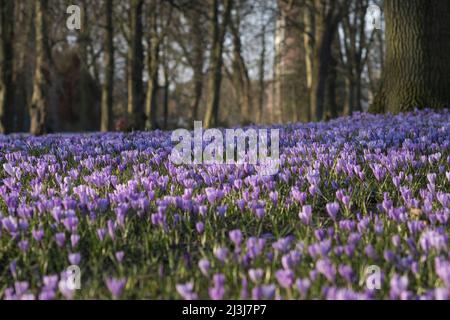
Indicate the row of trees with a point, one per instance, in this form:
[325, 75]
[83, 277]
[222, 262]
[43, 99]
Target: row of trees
[142, 64]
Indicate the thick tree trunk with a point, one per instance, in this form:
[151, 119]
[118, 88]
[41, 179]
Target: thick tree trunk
[108, 58]
[6, 65]
[39, 101]
[152, 86]
[308, 20]
[417, 66]
[166, 100]
[166, 87]
[332, 111]
[291, 70]
[153, 61]
[215, 80]
[22, 75]
[198, 90]
[358, 94]
[321, 60]
[350, 96]
[135, 64]
[83, 41]
[241, 78]
[261, 81]
[198, 63]
[327, 15]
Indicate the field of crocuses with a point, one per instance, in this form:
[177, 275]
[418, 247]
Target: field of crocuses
[350, 193]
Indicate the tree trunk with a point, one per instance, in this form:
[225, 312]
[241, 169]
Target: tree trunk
[108, 59]
[350, 96]
[6, 66]
[166, 102]
[166, 87]
[308, 42]
[262, 86]
[135, 64]
[241, 78]
[153, 66]
[327, 14]
[417, 66]
[332, 111]
[152, 88]
[22, 74]
[215, 80]
[198, 63]
[83, 42]
[354, 45]
[321, 60]
[40, 101]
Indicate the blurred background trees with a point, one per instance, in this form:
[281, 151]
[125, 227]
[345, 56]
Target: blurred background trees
[160, 64]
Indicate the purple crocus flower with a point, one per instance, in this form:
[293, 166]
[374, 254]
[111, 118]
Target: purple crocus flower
[70, 223]
[202, 210]
[204, 266]
[432, 239]
[200, 227]
[306, 214]
[241, 204]
[389, 255]
[221, 254]
[9, 169]
[74, 238]
[187, 291]
[273, 195]
[442, 268]
[285, 278]
[332, 209]
[235, 237]
[303, 286]
[74, 258]
[218, 290]
[10, 224]
[213, 195]
[60, 239]
[326, 268]
[370, 251]
[219, 280]
[116, 286]
[442, 294]
[24, 245]
[282, 244]
[260, 212]
[256, 274]
[263, 292]
[13, 268]
[111, 229]
[216, 293]
[255, 246]
[346, 272]
[101, 233]
[244, 289]
[38, 234]
[21, 287]
[346, 201]
[399, 285]
[119, 256]
[47, 295]
[291, 260]
[222, 210]
[298, 195]
[50, 282]
[396, 240]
